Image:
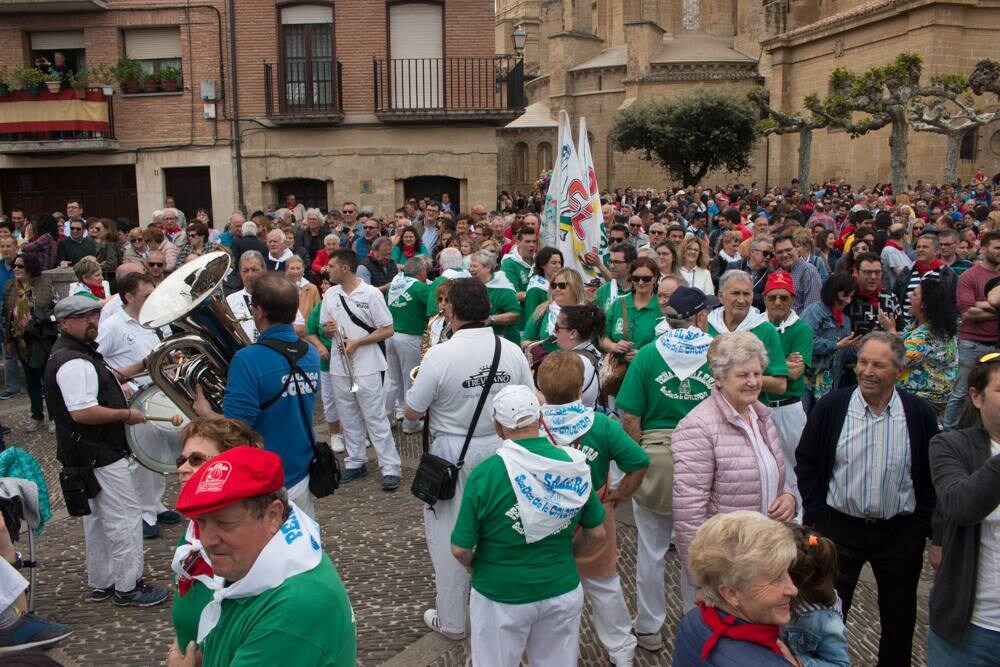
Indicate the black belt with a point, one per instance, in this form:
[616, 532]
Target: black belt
[783, 402]
[869, 521]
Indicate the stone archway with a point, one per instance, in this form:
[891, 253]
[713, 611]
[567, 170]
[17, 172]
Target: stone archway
[418, 187]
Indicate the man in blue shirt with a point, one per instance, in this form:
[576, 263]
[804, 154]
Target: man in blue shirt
[262, 391]
[8, 252]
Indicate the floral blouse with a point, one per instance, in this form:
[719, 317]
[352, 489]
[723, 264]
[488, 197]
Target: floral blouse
[931, 364]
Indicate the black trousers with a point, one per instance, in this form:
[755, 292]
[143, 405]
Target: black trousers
[895, 549]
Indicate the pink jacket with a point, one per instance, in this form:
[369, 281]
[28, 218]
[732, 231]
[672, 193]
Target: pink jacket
[715, 468]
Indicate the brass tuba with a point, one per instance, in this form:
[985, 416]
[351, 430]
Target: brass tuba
[206, 336]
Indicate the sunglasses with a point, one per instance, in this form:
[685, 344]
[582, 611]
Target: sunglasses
[988, 357]
[559, 285]
[641, 279]
[157, 264]
[76, 229]
[370, 228]
[18, 266]
[347, 211]
[765, 253]
[194, 460]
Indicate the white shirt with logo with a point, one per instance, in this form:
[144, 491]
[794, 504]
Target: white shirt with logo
[239, 303]
[368, 305]
[121, 340]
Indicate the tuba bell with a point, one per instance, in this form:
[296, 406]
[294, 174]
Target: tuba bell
[206, 336]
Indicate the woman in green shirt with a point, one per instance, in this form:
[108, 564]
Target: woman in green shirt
[632, 319]
[547, 262]
[565, 289]
[408, 245]
[505, 309]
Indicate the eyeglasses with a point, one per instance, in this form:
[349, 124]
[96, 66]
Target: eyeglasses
[195, 460]
[634, 225]
[155, 264]
[559, 285]
[641, 279]
[75, 229]
[559, 327]
[765, 253]
[18, 266]
[347, 211]
[778, 297]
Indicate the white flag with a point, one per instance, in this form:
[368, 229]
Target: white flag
[550, 212]
[587, 162]
[579, 230]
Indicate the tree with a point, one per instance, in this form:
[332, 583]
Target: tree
[885, 94]
[780, 122]
[689, 136]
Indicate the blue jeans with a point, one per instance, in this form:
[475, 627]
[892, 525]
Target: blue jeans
[36, 392]
[968, 354]
[980, 650]
[11, 374]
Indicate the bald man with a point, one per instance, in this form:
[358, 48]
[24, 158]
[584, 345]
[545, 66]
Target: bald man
[114, 304]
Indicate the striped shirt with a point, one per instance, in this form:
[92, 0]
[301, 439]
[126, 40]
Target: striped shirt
[871, 470]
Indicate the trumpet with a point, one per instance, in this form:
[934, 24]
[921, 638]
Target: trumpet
[340, 339]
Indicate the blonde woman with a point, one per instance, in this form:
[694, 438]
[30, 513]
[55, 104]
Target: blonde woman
[90, 279]
[694, 264]
[295, 269]
[565, 289]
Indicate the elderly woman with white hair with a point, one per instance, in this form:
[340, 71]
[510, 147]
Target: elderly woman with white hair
[740, 562]
[727, 455]
[505, 309]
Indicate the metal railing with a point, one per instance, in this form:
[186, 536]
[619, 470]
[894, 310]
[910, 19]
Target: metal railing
[289, 92]
[65, 134]
[494, 83]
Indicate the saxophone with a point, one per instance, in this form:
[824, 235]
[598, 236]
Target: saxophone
[426, 341]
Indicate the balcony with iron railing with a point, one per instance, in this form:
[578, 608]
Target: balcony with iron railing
[295, 94]
[60, 7]
[61, 122]
[410, 90]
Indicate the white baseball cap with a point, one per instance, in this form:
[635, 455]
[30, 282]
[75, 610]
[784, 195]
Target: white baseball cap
[516, 406]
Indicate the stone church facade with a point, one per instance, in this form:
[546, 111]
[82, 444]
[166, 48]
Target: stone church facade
[594, 58]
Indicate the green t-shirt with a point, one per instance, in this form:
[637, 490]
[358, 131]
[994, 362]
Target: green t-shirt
[503, 300]
[400, 258]
[537, 328]
[533, 297]
[187, 608]
[307, 620]
[505, 568]
[652, 392]
[314, 328]
[797, 337]
[765, 331]
[641, 323]
[518, 275]
[607, 441]
[602, 296]
[409, 309]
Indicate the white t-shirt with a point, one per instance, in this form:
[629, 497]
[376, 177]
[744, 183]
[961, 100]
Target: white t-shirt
[77, 380]
[986, 612]
[368, 305]
[112, 306]
[121, 340]
[239, 303]
[451, 380]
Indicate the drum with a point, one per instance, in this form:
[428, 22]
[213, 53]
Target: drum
[156, 444]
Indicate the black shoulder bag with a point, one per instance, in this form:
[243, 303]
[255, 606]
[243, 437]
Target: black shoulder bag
[436, 478]
[364, 325]
[324, 471]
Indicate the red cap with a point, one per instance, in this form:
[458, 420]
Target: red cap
[234, 475]
[780, 280]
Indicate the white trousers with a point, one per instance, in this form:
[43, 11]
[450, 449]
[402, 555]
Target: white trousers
[402, 353]
[149, 489]
[451, 579]
[365, 410]
[547, 630]
[12, 584]
[610, 616]
[299, 494]
[650, 563]
[113, 530]
[789, 421]
[329, 402]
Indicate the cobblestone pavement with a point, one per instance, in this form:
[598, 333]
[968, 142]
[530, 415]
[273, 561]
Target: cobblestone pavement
[376, 541]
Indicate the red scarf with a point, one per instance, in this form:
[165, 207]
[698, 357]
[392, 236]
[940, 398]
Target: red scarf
[838, 315]
[409, 251]
[924, 268]
[871, 297]
[894, 244]
[96, 290]
[762, 635]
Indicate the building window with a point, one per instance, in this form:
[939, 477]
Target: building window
[967, 149]
[308, 64]
[67, 43]
[544, 156]
[154, 48]
[520, 167]
[416, 52]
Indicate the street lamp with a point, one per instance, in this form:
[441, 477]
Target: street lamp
[520, 36]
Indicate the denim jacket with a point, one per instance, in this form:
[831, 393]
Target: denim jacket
[817, 636]
[826, 334]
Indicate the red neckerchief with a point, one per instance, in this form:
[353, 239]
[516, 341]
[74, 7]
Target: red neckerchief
[894, 244]
[96, 290]
[872, 297]
[838, 315]
[924, 268]
[409, 251]
[762, 635]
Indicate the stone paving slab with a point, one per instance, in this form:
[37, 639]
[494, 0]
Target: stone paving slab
[375, 539]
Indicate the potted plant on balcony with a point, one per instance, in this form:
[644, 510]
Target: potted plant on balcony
[151, 82]
[53, 81]
[104, 76]
[4, 81]
[79, 81]
[129, 72]
[169, 78]
[28, 79]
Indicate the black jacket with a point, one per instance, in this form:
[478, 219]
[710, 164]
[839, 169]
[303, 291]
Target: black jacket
[947, 277]
[311, 244]
[814, 457]
[967, 481]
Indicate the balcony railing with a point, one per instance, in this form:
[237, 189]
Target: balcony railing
[448, 88]
[292, 96]
[57, 122]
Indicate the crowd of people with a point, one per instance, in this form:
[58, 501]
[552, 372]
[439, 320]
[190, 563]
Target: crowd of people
[784, 384]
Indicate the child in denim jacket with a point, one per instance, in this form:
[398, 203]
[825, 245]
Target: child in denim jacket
[817, 635]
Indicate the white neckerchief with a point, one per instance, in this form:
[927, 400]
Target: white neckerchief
[792, 318]
[285, 256]
[516, 257]
[301, 282]
[400, 283]
[549, 493]
[554, 310]
[684, 351]
[500, 281]
[294, 549]
[453, 274]
[567, 423]
[717, 319]
[729, 258]
[538, 282]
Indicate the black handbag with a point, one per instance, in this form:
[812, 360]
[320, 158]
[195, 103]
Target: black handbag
[436, 478]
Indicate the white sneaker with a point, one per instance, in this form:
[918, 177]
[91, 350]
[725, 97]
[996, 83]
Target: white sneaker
[34, 425]
[52, 426]
[432, 621]
[337, 443]
[651, 642]
[410, 428]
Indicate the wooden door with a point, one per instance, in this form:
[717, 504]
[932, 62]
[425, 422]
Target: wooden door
[191, 188]
[104, 191]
